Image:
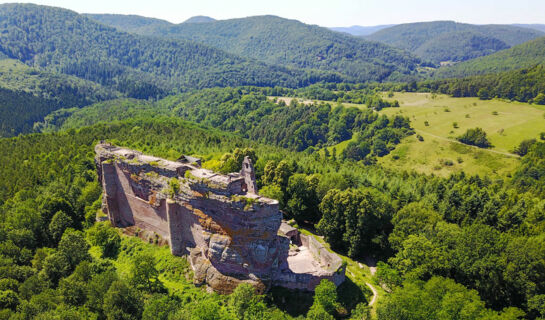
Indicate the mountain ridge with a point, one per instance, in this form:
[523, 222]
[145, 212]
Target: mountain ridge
[63, 41]
[434, 40]
[290, 43]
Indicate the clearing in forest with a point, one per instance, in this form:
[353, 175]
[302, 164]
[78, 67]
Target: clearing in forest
[439, 119]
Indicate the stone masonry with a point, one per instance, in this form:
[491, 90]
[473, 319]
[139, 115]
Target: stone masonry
[230, 233]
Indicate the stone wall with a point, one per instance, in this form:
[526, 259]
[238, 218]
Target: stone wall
[220, 221]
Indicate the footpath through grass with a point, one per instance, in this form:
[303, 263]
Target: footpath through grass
[439, 119]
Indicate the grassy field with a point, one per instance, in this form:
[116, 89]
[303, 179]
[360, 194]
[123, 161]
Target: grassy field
[439, 119]
[506, 123]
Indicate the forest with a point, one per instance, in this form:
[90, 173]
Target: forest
[450, 41]
[319, 113]
[429, 230]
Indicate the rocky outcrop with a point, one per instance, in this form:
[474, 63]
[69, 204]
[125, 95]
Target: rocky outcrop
[230, 233]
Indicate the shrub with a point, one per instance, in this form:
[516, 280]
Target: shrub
[475, 137]
[523, 148]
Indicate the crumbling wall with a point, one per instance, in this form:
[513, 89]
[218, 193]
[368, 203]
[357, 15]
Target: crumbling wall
[230, 234]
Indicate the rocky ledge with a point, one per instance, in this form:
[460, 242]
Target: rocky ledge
[230, 233]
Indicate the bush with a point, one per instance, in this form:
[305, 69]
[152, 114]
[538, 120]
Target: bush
[475, 137]
[106, 237]
[523, 148]
[540, 99]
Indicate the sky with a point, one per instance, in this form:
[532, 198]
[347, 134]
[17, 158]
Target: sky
[328, 13]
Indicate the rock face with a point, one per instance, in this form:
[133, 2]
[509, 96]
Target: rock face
[230, 233]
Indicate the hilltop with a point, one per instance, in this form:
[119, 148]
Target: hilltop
[441, 41]
[361, 30]
[199, 19]
[290, 43]
[63, 41]
[526, 55]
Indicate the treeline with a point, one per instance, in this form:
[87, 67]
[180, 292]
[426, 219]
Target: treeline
[251, 114]
[341, 92]
[525, 85]
[140, 67]
[56, 262]
[297, 126]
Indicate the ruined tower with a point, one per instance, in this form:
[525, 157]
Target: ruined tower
[230, 233]
[248, 173]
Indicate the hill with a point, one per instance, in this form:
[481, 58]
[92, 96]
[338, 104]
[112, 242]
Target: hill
[63, 41]
[199, 19]
[523, 85]
[526, 55]
[439, 119]
[442, 41]
[361, 30]
[290, 43]
[125, 21]
[539, 27]
[28, 94]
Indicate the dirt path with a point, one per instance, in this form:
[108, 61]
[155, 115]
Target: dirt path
[375, 294]
[458, 142]
[372, 267]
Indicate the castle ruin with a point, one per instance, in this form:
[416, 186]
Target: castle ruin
[230, 233]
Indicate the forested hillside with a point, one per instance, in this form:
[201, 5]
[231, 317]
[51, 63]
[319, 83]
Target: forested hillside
[524, 85]
[138, 24]
[291, 43]
[63, 41]
[525, 55]
[450, 41]
[28, 94]
[485, 235]
[249, 113]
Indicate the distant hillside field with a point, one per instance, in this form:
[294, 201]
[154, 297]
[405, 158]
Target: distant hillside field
[288, 43]
[443, 41]
[506, 124]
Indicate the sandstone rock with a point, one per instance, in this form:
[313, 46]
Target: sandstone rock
[230, 232]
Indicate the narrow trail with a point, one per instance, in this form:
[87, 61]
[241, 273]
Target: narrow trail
[373, 269]
[375, 294]
[458, 142]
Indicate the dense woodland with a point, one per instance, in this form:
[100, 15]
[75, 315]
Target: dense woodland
[448, 41]
[271, 39]
[461, 247]
[463, 228]
[141, 67]
[27, 95]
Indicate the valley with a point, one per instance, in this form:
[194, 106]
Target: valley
[259, 166]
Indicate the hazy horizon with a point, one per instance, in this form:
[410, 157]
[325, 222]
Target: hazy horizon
[344, 13]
